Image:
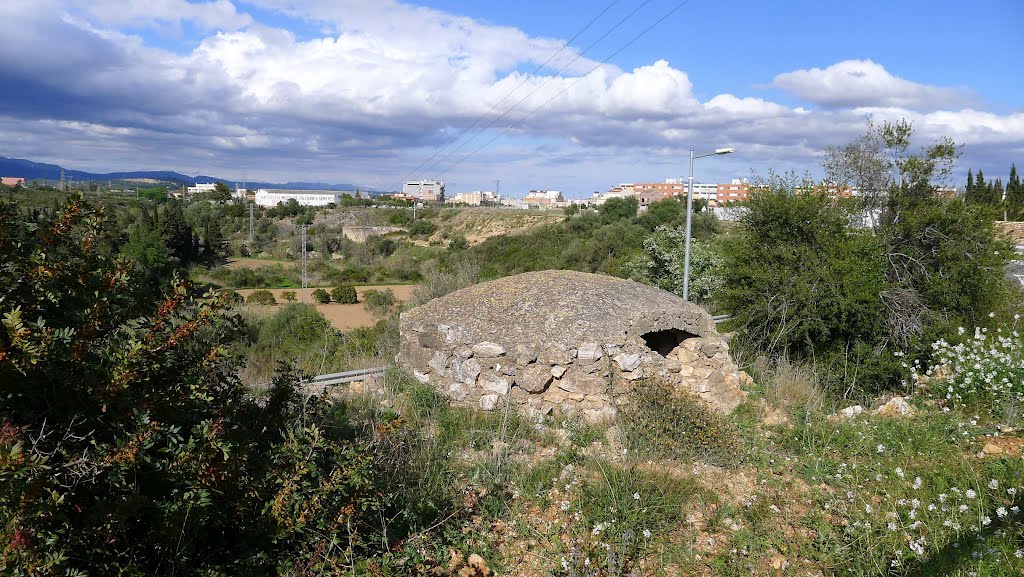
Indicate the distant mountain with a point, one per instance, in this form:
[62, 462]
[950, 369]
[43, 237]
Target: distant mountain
[30, 170]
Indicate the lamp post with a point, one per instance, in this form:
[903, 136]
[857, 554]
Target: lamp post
[689, 215]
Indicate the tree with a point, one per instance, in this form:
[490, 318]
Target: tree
[1014, 195]
[176, 233]
[289, 296]
[261, 297]
[221, 191]
[662, 265]
[147, 251]
[802, 282]
[618, 208]
[321, 296]
[864, 165]
[345, 294]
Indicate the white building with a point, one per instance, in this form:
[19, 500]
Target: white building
[266, 197]
[201, 188]
[544, 198]
[475, 198]
[428, 190]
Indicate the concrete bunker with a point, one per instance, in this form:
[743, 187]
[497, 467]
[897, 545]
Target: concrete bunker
[565, 341]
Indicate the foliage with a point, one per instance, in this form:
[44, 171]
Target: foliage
[438, 282]
[422, 227]
[344, 294]
[457, 243]
[983, 373]
[664, 423]
[663, 260]
[321, 296]
[380, 303]
[129, 447]
[289, 296]
[261, 297]
[802, 282]
[269, 276]
[618, 208]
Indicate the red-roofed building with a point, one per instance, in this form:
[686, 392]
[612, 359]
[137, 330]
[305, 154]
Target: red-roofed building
[12, 180]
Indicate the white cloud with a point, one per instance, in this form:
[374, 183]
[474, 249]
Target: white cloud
[369, 100]
[853, 83]
[216, 14]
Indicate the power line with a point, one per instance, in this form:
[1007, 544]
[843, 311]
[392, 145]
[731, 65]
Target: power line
[542, 84]
[577, 81]
[511, 92]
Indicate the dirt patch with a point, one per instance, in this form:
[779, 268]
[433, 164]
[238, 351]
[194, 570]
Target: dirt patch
[342, 317]
[480, 224]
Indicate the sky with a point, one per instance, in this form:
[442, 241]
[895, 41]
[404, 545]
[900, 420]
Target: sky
[571, 95]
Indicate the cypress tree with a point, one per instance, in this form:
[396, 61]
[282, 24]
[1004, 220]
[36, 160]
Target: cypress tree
[980, 189]
[996, 196]
[1014, 195]
[969, 189]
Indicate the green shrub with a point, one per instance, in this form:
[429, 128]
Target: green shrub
[422, 227]
[321, 296]
[289, 296]
[662, 262]
[380, 303]
[344, 294]
[663, 423]
[802, 282]
[261, 297]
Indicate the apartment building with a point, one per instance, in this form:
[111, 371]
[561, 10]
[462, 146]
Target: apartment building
[426, 190]
[736, 191]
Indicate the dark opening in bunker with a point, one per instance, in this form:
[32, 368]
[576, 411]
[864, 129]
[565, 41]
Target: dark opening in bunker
[665, 341]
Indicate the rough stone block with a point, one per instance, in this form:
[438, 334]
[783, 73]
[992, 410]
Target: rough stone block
[488, 402]
[580, 382]
[627, 362]
[589, 353]
[492, 383]
[466, 371]
[488, 349]
[534, 378]
[439, 363]
[557, 371]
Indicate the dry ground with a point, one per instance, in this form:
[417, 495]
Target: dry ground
[342, 317]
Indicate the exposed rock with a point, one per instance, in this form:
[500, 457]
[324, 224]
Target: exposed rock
[494, 384]
[627, 362]
[896, 407]
[534, 378]
[589, 353]
[466, 371]
[548, 333]
[847, 413]
[488, 349]
[579, 382]
[488, 402]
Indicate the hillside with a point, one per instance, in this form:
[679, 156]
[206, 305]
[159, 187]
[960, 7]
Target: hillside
[480, 224]
[32, 170]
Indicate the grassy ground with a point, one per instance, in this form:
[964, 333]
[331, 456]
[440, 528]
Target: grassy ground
[813, 496]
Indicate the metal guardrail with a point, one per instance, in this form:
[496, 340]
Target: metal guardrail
[345, 377]
[720, 318]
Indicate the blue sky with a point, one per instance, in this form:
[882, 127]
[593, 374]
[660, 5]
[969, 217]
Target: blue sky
[364, 92]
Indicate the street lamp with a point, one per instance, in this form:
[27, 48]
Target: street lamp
[689, 214]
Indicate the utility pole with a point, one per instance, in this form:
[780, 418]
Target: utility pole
[304, 282]
[62, 180]
[497, 191]
[252, 228]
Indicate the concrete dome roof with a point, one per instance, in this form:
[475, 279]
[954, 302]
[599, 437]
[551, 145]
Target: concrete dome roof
[558, 306]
